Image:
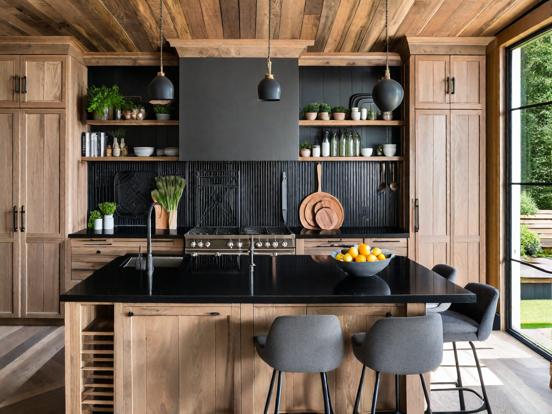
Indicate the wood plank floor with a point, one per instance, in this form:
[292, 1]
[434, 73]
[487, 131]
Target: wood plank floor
[31, 369]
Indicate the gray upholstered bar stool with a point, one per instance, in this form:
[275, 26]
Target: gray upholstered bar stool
[470, 322]
[449, 273]
[311, 343]
[399, 346]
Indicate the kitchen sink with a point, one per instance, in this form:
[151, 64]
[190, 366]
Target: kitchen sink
[158, 261]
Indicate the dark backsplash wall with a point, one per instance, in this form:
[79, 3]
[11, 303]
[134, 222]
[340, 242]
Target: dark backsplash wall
[353, 183]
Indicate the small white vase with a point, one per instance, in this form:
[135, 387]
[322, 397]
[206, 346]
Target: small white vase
[109, 223]
[173, 220]
[98, 224]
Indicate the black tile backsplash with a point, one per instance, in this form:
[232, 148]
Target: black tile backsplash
[353, 183]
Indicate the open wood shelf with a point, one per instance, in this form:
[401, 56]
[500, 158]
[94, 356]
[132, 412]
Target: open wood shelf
[372, 159]
[130, 158]
[348, 122]
[145, 122]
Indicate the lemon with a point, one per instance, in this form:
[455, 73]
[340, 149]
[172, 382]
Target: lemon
[353, 251]
[347, 258]
[372, 258]
[339, 257]
[364, 249]
[381, 256]
[376, 251]
[360, 258]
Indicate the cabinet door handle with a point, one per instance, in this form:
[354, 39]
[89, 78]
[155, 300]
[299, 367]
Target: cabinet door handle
[16, 83]
[130, 314]
[14, 211]
[447, 85]
[24, 88]
[416, 216]
[214, 313]
[22, 218]
[453, 86]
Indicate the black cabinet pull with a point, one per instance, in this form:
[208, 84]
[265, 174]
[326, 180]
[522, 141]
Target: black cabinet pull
[24, 88]
[416, 216]
[447, 85]
[14, 219]
[130, 313]
[453, 88]
[98, 252]
[16, 84]
[214, 313]
[22, 218]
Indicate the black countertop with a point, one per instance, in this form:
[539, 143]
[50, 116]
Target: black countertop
[281, 279]
[300, 233]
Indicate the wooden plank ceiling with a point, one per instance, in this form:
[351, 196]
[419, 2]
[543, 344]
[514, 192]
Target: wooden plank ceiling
[335, 25]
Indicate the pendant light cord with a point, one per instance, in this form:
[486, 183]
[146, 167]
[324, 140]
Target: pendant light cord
[386, 38]
[161, 32]
[268, 62]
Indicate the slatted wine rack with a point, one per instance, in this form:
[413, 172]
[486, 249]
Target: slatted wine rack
[97, 367]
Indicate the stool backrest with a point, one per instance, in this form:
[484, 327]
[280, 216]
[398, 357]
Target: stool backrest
[483, 310]
[448, 272]
[310, 343]
[404, 345]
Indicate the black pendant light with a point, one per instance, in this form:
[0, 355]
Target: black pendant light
[160, 89]
[387, 93]
[269, 88]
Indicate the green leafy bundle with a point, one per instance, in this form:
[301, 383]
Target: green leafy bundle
[107, 208]
[324, 107]
[312, 107]
[94, 215]
[162, 109]
[339, 109]
[169, 191]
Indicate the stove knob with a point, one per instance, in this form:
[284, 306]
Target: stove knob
[284, 244]
[259, 244]
[230, 244]
[267, 244]
[207, 244]
[193, 244]
[274, 244]
[239, 244]
[199, 244]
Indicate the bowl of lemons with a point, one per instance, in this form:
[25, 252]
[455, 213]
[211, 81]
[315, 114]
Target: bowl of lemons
[362, 260]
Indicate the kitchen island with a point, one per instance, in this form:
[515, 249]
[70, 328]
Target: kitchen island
[187, 346]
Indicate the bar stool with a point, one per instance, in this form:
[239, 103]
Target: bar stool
[311, 343]
[470, 322]
[399, 346]
[449, 273]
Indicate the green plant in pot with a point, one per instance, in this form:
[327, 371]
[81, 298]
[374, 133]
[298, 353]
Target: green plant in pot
[339, 113]
[162, 112]
[167, 194]
[108, 208]
[99, 101]
[311, 111]
[324, 111]
[305, 149]
[95, 220]
[118, 102]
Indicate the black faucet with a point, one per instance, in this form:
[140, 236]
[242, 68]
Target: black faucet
[149, 255]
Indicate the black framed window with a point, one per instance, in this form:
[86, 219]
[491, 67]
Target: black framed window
[529, 192]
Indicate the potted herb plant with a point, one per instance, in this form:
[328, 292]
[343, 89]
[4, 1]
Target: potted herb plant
[168, 192]
[95, 220]
[311, 111]
[162, 112]
[99, 101]
[305, 150]
[324, 112]
[108, 209]
[339, 113]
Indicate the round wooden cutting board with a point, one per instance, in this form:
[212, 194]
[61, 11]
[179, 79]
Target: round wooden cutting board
[326, 218]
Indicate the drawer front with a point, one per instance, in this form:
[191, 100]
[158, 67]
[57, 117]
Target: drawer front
[399, 246]
[88, 255]
[323, 247]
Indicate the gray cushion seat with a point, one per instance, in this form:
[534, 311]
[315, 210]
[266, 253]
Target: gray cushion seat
[458, 327]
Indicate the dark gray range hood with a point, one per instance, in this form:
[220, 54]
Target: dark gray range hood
[221, 118]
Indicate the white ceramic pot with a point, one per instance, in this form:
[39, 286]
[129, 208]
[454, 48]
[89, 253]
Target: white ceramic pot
[324, 116]
[163, 117]
[355, 116]
[311, 116]
[366, 152]
[389, 150]
[387, 116]
[98, 224]
[364, 114]
[316, 150]
[109, 223]
[305, 152]
[339, 116]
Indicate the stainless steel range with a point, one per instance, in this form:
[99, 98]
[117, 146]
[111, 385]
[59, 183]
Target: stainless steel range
[239, 240]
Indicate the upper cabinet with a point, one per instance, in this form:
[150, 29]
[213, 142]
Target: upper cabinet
[449, 81]
[32, 81]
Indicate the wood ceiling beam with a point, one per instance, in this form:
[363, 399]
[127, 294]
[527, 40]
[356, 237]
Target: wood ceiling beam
[327, 17]
[343, 17]
[248, 17]
[128, 59]
[194, 17]
[311, 19]
[348, 59]
[239, 48]
[505, 17]
[210, 9]
[174, 10]
[230, 11]
[291, 19]
[398, 10]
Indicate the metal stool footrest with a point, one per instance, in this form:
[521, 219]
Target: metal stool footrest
[483, 406]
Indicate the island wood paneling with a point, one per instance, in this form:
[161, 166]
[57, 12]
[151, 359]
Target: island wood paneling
[349, 26]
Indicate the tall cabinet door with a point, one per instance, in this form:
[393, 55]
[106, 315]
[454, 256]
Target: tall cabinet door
[9, 82]
[43, 81]
[468, 82]
[178, 360]
[9, 272]
[467, 195]
[40, 210]
[431, 80]
[431, 215]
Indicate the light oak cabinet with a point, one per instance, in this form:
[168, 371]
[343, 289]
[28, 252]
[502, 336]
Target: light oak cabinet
[33, 81]
[323, 247]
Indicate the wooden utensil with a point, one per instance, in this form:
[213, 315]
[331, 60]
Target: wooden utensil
[335, 206]
[326, 218]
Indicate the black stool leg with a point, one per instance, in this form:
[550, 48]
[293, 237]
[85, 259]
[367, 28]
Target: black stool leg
[269, 396]
[458, 378]
[375, 396]
[278, 392]
[359, 391]
[325, 393]
[484, 391]
[426, 395]
[329, 394]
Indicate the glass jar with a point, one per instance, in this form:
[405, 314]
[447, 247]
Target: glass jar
[350, 145]
[356, 141]
[334, 150]
[342, 145]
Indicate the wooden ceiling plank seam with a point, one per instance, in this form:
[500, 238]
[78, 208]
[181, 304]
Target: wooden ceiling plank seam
[230, 18]
[248, 18]
[374, 29]
[210, 9]
[148, 21]
[309, 27]
[30, 16]
[359, 38]
[291, 19]
[8, 30]
[398, 10]
[360, 19]
[261, 19]
[462, 16]
[517, 9]
[314, 7]
[441, 18]
[8, 14]
[194, 17]
[124, 35]
[345, 13]
[169, 31]
[174, 10]
[276, 18]
[329, 9]
[473, 21]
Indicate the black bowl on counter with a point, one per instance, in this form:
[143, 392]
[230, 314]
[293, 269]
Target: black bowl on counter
[364, 269]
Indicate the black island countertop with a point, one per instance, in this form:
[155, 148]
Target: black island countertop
[281, 279]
